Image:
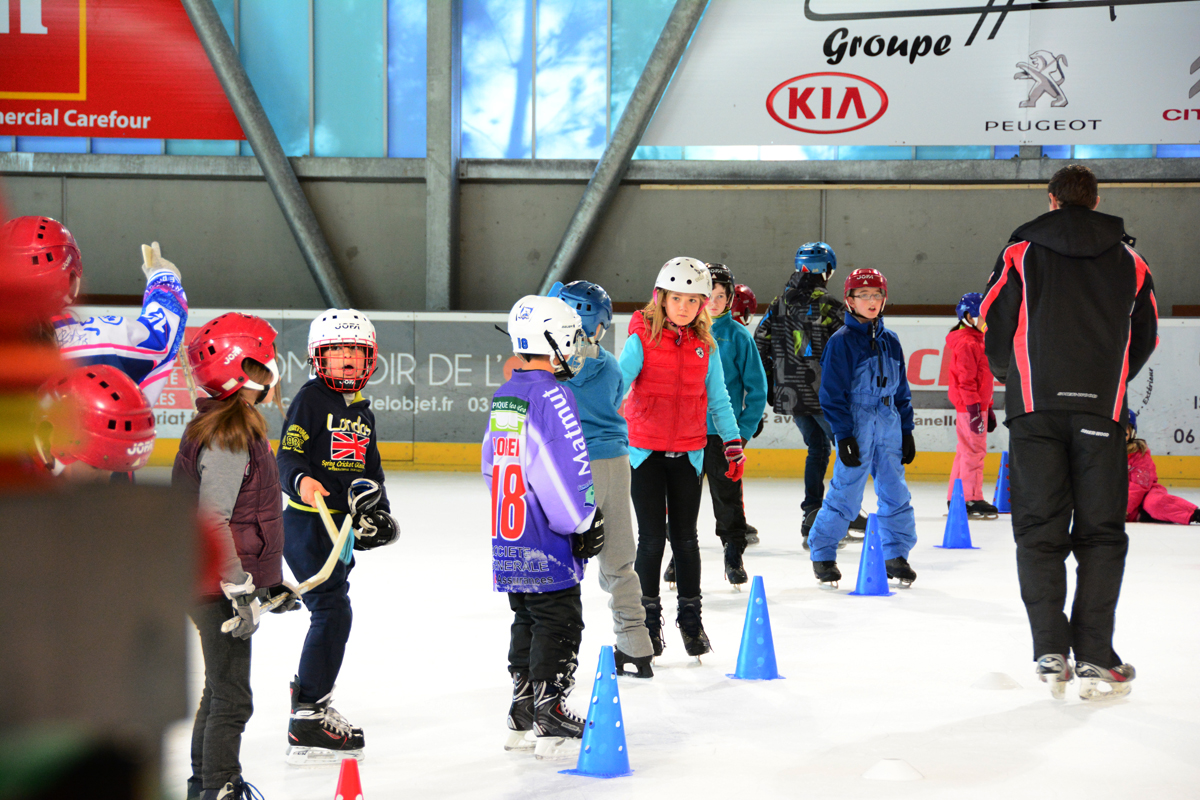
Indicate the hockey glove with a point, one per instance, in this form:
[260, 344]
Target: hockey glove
[908, 448]
[975, 418]
[589, 543]
[759, 429]
[244, 587]
[247, 609]
[291, 601]
[375, 529]
[991, 420]
[735, 456]
[848, 451]
[158, 264]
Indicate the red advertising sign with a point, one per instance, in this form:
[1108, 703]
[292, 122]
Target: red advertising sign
[107, 68]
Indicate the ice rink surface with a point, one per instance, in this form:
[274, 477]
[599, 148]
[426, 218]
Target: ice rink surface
[866, 678]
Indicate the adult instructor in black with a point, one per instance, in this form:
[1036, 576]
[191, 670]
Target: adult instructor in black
[1071, 318]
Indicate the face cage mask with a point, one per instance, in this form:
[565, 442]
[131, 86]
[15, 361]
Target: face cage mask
[364, 366]
[568, 366]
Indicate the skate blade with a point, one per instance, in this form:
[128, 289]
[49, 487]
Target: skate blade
[319, 756]
[829, 584]
[520, 740]
[671, 585]
[1096, 689]
[553, 748]
[1058, 689]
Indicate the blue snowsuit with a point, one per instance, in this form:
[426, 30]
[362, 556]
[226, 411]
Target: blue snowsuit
[864, 393]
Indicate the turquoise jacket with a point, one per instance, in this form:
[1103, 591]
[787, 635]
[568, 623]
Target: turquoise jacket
[745, 380]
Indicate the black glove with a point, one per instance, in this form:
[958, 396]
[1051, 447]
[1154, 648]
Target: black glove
[375, 529]
[991, 420]
[291, 604]
[848, 451]
[759, 429]
[908, 448]
[590, 542]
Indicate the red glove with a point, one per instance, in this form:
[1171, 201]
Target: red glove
[736, 459]
[975, 418]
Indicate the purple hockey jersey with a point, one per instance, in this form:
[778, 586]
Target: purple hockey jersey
[536, 466]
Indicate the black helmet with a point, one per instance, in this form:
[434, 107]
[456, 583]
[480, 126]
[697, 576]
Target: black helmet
[721, 276]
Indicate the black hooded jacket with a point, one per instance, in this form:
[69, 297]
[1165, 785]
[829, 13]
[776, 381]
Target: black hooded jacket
[1071, 315]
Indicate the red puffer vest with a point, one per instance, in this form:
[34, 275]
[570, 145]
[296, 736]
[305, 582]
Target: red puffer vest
[667, 405]
[257, 518]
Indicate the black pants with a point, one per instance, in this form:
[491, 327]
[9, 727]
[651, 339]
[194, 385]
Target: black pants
[547, 628]
[728, 506]
[1070, 485]
[666, 498]
[226, 703]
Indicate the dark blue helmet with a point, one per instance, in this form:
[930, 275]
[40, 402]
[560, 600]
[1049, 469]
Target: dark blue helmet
[969, 304]
[816, 257]
[1133, 420]
[592, 304]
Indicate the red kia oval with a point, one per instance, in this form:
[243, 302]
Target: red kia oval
[851, 99]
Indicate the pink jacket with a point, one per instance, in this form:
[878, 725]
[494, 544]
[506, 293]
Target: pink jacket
[970, 378]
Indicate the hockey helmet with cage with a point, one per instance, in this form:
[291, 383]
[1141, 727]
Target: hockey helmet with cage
[592, 304]
[721, 276]
[866, 279]
[686, 276]
[41, 251]
[343, 327]
[547, 326]
[816, 257]
[969, 304]
[218, 352]
[744, 303]
[96, 414]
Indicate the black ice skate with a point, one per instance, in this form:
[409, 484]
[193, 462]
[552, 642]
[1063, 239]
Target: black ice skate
[319, 735]
[520, 715]
[751, 535]
[669, 574]
[654, 623]
[1102, 683]
[1056, 671]
[234, 789]
[641, 665]
[982, 509]
[558, 728]
[899, 569]
[695, 640]
[858, 528]
[827, 572]
[735, 570]
[806, 526]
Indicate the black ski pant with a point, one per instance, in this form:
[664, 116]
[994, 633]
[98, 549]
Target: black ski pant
[1070, 484]
[546, 631]
[728, 505]
[666, 498]
[225, 703]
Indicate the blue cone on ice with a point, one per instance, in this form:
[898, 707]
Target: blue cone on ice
[958, 533]
[872, 574]
[1001, 499]
[756, 659]
[603, 753]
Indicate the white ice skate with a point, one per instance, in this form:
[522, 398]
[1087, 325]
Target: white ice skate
[1101, 683]
[520, 740]
[1056, 671]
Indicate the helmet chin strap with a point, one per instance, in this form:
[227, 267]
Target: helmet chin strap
[564, 373]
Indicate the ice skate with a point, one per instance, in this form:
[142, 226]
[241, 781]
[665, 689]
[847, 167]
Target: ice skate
[899, 569]
[806, 526]
[558, 728]
[641, 665]
[1055, 670]
[858, 528]
[235, 789]
[1101, 683]
[654, 623]
[695, 640]
[751, 535]
[982, 509]
[669, 574]
[735, 570]
[318, 735]
[520, 715]
[827, 572]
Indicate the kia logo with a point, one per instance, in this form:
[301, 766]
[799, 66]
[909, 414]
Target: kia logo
[827, 102]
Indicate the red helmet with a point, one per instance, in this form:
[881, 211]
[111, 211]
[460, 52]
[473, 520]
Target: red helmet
[744, 303]
[218, 351]
[865, 278]
[98, 416]
[42, 251]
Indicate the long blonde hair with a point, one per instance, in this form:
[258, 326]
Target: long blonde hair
[655, 314]
[1134, 445]
[234, 423]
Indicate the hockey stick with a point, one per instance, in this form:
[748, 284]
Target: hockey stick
[181, 356]
[316, 580]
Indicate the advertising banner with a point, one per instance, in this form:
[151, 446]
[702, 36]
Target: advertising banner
[108, 68]
[437, 373]
[936, 72]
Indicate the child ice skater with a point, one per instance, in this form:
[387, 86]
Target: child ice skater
[865, 397]
[598, 387]
[225, 458]
[971, 393]
[675, 385]
[1149, 500]
[329, 441]
[544, 523]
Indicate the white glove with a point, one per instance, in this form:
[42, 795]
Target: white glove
[153, 262]
[241, 589]
[248, 609]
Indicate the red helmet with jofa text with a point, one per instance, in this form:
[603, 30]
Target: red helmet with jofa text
[97, 415]
[218, 352]
[41, 252]
[866, 278]
[744, 303]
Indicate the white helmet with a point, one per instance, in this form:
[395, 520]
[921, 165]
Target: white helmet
[547, 326]
[685, 275]
[347, 328]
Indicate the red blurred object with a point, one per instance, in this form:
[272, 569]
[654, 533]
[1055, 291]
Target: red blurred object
[100, 417]
[744, 303]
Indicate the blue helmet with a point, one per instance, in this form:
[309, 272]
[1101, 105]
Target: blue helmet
[591, 302]
[1133, 420]
[969, 304]
[816, 257]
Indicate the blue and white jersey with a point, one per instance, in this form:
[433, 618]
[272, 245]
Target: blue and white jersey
[144, 348]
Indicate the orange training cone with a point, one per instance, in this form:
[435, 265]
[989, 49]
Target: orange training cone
[348, 786]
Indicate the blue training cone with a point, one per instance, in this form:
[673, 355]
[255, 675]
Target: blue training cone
[958, 532]
[872, 574]
[603, 753]
[1001, 499]
[756, 658]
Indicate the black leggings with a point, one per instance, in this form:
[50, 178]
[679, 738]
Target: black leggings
[658, 485]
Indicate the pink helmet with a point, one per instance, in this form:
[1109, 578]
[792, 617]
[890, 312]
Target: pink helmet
[218, 351]
[744, 303]
[100, 417]
[866, 278]
[42, 251]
